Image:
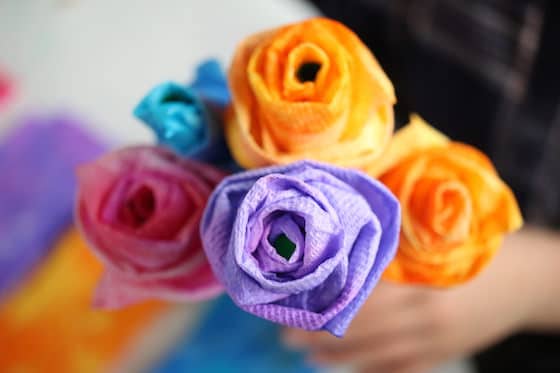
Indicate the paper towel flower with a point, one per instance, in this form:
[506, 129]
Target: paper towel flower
[455, 208]
[186, 119]
[140, 210]
[303, 244]
[310, 90]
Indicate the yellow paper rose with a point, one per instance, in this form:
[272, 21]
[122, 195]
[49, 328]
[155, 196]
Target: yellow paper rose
[455, 208]
[308, 90]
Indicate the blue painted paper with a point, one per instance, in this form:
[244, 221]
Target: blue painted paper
[231, 340]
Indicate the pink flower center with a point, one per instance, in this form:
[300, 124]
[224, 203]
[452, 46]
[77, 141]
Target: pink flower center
[139, 208]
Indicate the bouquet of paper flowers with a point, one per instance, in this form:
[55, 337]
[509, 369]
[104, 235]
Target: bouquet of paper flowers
[284, 186]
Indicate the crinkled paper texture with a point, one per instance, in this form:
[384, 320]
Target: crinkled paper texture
[345, 228]
[341, 114]
[455, 208]
[140, 210]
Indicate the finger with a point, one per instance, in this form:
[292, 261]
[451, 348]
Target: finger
[372, 352]
[389, 294]
[391, 311]
[296, 338]
[405, 319]
[407, 366]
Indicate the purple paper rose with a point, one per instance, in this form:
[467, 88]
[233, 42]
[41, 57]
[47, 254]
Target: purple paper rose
[302, 245]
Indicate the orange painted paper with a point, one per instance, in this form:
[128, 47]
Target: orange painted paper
[455, 208]
[340, 113]
[49, 325]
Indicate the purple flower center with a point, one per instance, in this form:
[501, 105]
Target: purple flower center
[284, 246]
[281, 243]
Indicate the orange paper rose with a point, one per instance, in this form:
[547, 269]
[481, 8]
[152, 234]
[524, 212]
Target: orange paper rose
[308, 90]
[455, 208]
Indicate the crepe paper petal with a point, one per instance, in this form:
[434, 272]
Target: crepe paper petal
[187, 119]
[343, 227]
[37, 161]
[417, 135]
[308, 90]
[455, 208]
[140, 209]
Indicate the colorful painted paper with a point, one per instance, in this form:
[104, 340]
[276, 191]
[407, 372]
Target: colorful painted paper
[50, 326]
[230, 340]
[37, 162]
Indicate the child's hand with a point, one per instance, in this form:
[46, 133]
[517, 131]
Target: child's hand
[411, 329]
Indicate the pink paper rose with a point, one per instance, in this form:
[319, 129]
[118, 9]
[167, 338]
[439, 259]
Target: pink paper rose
[140, 208]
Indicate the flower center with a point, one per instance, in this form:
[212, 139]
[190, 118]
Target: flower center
[174, 97]
[307, 71]
[454, 213]
[284, 246]
[139, 208]
[442, 209]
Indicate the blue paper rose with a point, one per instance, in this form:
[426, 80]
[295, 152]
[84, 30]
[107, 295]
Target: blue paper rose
[187, 119]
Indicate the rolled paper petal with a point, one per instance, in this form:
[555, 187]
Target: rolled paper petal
[302, 245]
[178, 118]
[310, 90]
[37, 161]
[456, 209]
[115, 290]
[140, 210]
[416, 136]
[210, 83]
[186, 119]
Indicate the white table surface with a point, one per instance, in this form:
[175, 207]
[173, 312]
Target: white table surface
[97, 58]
